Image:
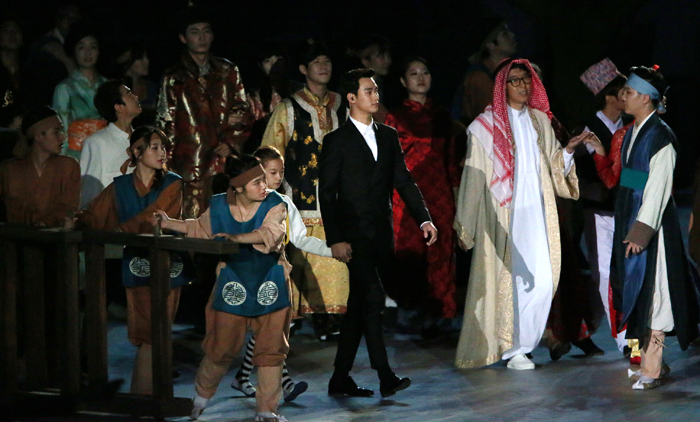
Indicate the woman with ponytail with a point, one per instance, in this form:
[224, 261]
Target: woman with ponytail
[127, 205]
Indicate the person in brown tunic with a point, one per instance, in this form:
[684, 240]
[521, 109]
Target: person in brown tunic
[128, 205]
[40, 188]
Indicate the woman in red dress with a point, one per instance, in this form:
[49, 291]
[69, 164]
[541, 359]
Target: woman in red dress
[426, 276]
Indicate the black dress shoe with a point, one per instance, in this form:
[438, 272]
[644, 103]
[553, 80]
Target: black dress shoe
[588, 347]
[559, 350]
[347, 387]
[391, 386]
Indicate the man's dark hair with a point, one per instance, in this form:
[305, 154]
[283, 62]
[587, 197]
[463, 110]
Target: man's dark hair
[310, 50]
[350, 81]
[383, 45]
[612, 88]
[654, 77]
[191, 16]
[77, 32]
[107, 96]
[66, 11]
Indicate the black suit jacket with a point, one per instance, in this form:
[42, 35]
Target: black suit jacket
[355, 191]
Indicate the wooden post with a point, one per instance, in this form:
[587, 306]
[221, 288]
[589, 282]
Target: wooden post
[96, 313]
[35, 316]
[70, 353]
[161, 330]
[8, 306]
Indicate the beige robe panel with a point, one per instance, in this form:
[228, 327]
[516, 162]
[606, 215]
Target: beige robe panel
[481, 223]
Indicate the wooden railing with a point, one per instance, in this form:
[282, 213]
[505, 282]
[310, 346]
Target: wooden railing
[34, 243]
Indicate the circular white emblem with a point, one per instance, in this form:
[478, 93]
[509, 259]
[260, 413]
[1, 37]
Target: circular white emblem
[233, 293]
[140, 267]
[176, 269]
[267, 294]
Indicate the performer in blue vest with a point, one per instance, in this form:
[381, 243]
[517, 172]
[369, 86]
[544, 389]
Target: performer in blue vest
[127, 205]
[651, 277]
[252, 287]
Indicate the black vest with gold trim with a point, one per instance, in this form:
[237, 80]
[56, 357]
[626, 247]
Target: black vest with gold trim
[304, 146]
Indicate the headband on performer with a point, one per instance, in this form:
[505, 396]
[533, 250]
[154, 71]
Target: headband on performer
[248, 175]
[42, 126]
[645, 88]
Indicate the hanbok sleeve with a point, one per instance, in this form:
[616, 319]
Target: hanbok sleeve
[280, 128]
[199, 227]
[655, 198]
[273, 230]
[235, 135]
[167, 104]
[61, 103]
[298, 234]
[609, 167]
[101, 212]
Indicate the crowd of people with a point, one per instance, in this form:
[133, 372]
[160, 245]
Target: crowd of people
[342, 206]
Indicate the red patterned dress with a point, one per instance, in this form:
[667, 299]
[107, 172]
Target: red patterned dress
[425, 276]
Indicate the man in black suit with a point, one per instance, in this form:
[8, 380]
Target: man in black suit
[361, 164]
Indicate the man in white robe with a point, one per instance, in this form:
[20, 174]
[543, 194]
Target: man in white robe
[506, 211]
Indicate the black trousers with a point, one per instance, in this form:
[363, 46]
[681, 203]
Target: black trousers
[368, 266]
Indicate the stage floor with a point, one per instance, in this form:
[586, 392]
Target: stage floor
[572, 389]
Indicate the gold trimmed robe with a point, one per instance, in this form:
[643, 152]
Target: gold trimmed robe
[481, 223]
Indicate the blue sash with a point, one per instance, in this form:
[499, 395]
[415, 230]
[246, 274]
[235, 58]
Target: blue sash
[634, 179]
[252, 283]
[136, 268]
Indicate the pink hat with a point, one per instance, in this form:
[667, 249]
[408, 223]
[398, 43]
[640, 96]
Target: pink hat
[600, 74]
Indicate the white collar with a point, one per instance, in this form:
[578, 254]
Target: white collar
[517, 113]
[599, 114]
[114, 128]
[361, 126]
[637, 127]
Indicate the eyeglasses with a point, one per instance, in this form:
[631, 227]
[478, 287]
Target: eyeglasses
[516, 81]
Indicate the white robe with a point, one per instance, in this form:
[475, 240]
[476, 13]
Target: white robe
[531, 266]
[657, 193]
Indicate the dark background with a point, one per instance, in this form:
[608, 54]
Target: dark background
[564, 37]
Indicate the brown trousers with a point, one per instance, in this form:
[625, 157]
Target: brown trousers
[138, 323]
[226, 334]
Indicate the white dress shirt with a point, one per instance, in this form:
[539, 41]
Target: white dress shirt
[367, 132]
[100, 160]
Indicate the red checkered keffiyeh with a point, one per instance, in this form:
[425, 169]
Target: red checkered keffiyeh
[494, 120]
